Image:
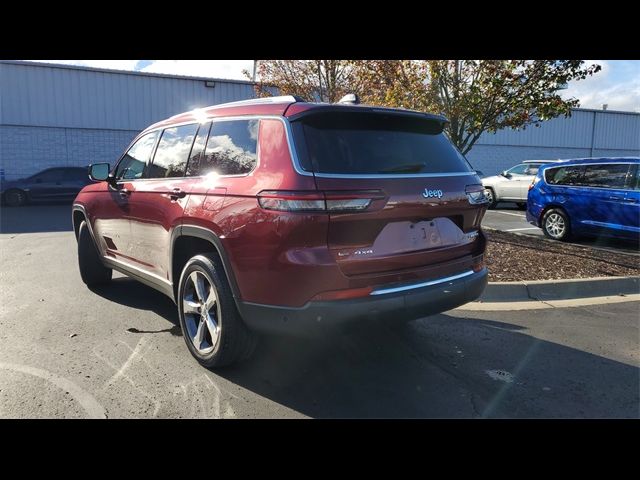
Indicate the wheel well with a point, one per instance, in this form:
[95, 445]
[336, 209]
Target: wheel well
[184, 248]
[550, 207]
[78, 218]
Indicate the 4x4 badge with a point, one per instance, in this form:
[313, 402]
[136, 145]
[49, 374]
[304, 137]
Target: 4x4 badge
[432, 193]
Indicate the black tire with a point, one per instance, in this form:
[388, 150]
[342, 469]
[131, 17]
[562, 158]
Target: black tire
[560, 218]
[522, 205]
[15, 198]
[235, 342]
[92, 270]
[491, 195]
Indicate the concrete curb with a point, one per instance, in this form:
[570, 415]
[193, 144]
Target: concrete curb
[551, 290]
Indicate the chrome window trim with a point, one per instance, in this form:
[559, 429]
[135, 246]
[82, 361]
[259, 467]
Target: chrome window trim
[191, 122]
[437, 281]
[585, 165]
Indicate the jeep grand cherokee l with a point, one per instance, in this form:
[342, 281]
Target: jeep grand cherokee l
[281, 215]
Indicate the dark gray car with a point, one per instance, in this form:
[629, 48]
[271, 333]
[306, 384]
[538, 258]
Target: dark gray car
[52, 184]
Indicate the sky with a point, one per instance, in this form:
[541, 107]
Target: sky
[617, 84]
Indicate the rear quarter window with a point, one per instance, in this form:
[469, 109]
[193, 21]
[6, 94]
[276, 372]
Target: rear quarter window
[374, 143]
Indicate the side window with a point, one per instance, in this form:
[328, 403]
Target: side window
[197, 152]
[519, 169]
[564, 176]
[172, 153]
[48, 176]
[76, 174]
[532, 169]
[606, 176]
[133, 163]
[231, 148]
[635, 180]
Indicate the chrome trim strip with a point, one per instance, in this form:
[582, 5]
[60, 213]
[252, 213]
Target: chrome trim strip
[384, 291]
[395, 175]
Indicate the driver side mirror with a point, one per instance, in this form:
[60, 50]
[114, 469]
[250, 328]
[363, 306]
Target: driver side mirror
[99, 172]
[506, 174]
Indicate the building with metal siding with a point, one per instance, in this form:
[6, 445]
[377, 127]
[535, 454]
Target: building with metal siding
[60, 115]
[587, 133]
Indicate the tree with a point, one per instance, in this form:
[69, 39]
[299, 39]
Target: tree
[319, 80]
[476, 96]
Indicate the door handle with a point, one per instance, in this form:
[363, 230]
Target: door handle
[177, 193]
[615, 198]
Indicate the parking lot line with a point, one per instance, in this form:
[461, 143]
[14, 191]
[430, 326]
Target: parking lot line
[519, 229]
[510, 213]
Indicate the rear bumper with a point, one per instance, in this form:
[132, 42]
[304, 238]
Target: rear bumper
[401, 303]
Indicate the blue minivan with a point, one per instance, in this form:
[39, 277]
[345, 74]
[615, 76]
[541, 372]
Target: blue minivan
[587, 196]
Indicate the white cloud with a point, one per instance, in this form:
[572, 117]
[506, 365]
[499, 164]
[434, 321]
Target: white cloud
[617, 85]
[231, 69]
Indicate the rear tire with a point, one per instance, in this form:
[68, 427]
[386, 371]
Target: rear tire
[205, 302]
[15, 198]
[556, 224]
[491, 196]
[92, 270]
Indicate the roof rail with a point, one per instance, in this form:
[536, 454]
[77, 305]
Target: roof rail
[263, 100]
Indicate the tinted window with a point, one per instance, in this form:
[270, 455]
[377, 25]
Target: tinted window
[606, 176]
[374, 143]
[197, 152]
[231, 148]
[172, 153]
[135, 160]
[564, 175]
[53, 175]
[635, 182]
[76, 174]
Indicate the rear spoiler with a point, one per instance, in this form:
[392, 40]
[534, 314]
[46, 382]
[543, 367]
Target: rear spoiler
[332, 108]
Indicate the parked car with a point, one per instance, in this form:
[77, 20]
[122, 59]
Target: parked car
[281, 215]
[61, 183]
[587, 196]
[512, 185]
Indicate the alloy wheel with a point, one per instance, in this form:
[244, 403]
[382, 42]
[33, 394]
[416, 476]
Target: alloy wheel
[201, 311]
[555, 225]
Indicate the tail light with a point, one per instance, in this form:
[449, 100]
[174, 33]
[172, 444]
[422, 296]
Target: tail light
[318, 201]
[476, 194]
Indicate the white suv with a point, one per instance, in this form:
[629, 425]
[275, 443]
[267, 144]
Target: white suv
[512, 185]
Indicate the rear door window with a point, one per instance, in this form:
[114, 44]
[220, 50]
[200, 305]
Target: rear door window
[564, 175]
[173, 150]
[606, 175]
[355, 143]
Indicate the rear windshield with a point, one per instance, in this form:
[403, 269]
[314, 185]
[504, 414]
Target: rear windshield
[374, 143]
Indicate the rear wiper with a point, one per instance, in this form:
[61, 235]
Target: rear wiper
[409, 168]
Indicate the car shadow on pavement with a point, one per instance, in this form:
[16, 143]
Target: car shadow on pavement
[134, 294]
[444, 366]
[439, 367]
[36, 218]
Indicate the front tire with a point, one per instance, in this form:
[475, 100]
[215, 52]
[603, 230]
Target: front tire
[92, 270]
[211, 325]
[15, 198]
[491, 196]
[556, 224]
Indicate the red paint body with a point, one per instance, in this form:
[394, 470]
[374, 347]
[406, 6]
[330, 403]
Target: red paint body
[287, 258]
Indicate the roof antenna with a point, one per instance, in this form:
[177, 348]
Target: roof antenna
[350, 98]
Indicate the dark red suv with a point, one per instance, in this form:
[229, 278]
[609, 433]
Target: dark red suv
[277, 214]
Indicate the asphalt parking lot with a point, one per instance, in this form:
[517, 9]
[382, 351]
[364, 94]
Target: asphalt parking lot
[117, 352]
[508, 218]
